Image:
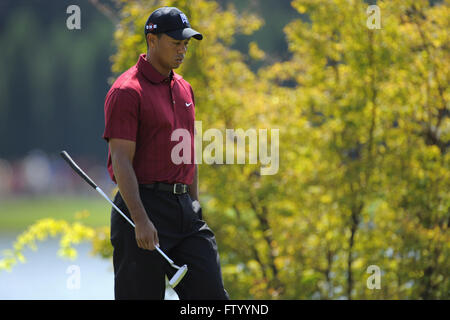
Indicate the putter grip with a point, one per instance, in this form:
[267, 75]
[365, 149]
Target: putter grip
[77, 169]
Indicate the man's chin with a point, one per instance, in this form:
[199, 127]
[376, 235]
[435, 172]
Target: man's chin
[176, 65]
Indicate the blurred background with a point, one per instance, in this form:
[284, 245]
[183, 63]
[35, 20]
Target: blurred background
[364, 136]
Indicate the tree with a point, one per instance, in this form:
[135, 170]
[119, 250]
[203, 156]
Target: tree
[377, 105]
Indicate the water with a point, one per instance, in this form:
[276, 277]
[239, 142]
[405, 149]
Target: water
[46, 276]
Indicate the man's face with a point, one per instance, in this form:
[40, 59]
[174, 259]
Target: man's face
[168, 51]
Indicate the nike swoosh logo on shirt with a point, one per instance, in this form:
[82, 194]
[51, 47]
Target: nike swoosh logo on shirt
[187, 104]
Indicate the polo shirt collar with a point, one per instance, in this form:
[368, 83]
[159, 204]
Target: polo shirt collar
[151, 74]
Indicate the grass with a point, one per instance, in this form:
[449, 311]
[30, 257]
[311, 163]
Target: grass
[16, 214]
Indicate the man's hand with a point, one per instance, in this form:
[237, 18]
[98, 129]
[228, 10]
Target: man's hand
[146, 234]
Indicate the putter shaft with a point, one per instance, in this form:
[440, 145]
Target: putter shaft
[181, 271]
[86, 178]
[132, 223]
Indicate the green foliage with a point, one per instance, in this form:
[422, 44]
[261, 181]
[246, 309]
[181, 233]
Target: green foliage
[364, 136]
[70, 233]
[375, 161]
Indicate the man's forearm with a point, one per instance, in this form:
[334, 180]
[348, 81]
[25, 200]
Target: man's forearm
[128, 187]
[193, 187]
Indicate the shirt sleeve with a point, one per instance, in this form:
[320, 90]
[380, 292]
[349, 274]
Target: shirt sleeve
[121, 115]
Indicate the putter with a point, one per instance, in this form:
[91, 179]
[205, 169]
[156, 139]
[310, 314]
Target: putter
[181, 271]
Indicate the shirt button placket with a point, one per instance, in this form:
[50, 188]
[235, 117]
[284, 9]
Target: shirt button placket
[173, 100]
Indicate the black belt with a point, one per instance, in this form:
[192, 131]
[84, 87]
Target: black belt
[176, 188]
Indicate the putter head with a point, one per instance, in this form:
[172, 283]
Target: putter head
[178, 276]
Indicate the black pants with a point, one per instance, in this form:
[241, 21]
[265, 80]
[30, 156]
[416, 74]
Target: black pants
[183, 236]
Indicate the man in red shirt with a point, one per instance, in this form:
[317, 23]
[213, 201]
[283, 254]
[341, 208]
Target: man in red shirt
[142, 109]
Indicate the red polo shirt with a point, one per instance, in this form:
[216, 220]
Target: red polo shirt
[144, 106]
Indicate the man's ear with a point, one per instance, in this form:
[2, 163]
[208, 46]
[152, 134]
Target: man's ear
[151, 40]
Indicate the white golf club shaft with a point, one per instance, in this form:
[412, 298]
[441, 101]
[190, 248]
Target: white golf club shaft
[86, 178]
[132, 223]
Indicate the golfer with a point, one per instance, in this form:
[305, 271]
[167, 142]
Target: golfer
[143, 107]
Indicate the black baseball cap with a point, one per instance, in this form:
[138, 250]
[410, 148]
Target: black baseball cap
[171, 21]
